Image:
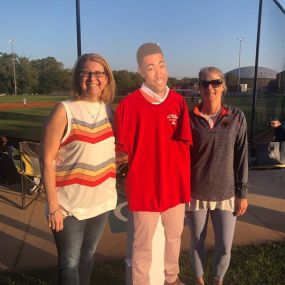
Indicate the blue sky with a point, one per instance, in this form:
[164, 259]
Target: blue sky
[192, 33]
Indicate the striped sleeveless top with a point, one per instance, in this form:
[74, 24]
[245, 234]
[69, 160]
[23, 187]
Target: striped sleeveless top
[85, 164]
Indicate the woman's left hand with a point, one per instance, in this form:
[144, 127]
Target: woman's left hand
[241, 206]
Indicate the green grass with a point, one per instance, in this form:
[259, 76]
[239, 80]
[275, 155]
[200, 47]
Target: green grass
[27, 123]
[32, 98]
[254, 265]
[267, 108]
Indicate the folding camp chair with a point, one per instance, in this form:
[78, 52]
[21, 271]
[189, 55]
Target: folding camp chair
[28, 167]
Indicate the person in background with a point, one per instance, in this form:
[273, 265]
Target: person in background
[279, 130]
[219, 177]
[152, 128]
[78, 168]
[5, 147]
[8, 171]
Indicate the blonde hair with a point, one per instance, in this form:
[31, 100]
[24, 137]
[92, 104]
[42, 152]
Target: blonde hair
[213, 69]
[108, 93]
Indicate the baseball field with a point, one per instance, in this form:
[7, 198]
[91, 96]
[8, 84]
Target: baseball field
[24, 119]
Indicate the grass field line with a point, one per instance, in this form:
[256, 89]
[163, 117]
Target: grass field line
[17, 105]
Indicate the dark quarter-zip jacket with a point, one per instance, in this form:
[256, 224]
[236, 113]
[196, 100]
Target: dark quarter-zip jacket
[219, 156]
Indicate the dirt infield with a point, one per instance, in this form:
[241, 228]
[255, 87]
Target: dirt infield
[29, 105]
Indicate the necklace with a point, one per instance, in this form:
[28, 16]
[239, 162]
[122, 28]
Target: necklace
[93, 109]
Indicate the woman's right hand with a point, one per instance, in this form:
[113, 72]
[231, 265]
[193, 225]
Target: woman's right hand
[55, 220]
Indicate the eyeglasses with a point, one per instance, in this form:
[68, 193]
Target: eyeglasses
[214, 83]
[97, 74]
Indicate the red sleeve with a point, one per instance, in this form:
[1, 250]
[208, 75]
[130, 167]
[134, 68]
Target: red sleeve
[183, 131]
[119, 130]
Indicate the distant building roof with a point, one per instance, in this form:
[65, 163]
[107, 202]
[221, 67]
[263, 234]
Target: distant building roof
[248, 72]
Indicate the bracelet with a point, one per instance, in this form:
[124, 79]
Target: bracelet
[54, 212]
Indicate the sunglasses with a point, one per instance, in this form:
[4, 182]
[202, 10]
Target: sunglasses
[97, 74]
[214, 83]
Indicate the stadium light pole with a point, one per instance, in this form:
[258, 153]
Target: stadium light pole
[77, 3]
[254, 92]
[11, 41]
[240, 41]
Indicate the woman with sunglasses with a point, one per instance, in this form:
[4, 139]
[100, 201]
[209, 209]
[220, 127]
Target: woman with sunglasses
[78, 168]
[219, 177]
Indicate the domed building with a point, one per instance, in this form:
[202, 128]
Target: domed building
[264, 76]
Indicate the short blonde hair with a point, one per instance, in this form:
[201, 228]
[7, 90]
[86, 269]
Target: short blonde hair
[213, 69]
[109, 90]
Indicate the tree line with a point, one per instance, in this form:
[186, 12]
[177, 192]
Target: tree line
[33, 76]
[47, 75]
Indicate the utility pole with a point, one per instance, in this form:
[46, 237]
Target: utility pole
[12, 41]
[78, 27]
[254, 93]
[240, 40]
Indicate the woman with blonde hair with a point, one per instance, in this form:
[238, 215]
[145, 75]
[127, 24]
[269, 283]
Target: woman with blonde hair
[78, 168]
[219, 176]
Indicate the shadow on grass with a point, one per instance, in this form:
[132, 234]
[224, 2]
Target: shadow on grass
[254, 265]
[104, 273]
[41, 277]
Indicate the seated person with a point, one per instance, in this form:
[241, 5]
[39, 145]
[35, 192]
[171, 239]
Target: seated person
[4, 147]
[8, 172]
[279, 131]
